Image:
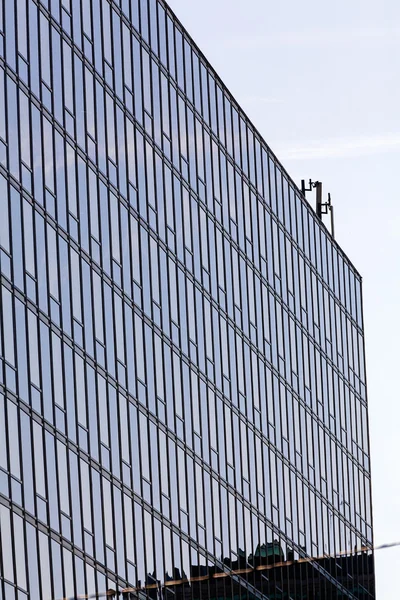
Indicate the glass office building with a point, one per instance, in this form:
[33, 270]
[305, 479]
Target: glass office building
[183, 407]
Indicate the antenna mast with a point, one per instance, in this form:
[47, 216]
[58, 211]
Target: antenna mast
[321, 208]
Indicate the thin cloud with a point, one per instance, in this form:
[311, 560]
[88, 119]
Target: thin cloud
[261, 100]
[339, 147]
[316, 37]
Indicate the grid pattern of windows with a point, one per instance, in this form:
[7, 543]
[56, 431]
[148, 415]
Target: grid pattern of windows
[182, 380]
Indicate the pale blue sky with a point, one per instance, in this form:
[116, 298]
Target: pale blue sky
[322, 84]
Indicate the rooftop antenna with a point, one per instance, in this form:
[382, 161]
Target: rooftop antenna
[321, 208]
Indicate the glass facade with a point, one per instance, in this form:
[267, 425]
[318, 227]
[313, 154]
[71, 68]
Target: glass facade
[183, 401]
